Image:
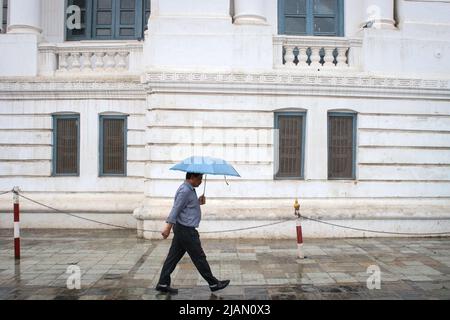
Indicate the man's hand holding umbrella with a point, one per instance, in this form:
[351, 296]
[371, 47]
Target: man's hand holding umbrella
[202, 165]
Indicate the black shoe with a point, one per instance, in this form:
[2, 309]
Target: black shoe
[166, 288]
[220, 285]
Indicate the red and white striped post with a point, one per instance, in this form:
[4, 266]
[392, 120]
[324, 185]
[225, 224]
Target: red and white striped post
[300, 239]
[299, 230]
[16, 224]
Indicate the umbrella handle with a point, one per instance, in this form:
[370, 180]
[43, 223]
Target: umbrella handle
[204, 186]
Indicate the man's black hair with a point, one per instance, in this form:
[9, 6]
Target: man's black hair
[192, 174]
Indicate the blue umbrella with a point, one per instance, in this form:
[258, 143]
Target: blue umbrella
[206, 165]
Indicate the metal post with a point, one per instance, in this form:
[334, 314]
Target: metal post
[16, 224]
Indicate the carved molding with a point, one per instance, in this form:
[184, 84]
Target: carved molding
[344, 84]
[337, 84]
[71, 88]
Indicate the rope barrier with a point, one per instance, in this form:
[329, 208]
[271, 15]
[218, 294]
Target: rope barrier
[2, 193]
[239, 229]
[145, 230]
[248, 228]
[76, 216]
[375, 231]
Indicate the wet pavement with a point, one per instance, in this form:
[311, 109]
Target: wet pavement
[114, 264]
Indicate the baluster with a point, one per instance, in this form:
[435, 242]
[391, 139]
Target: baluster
[76, 65]
[87, 63]
[63, 64]
[341, 57]
[122, 61]
[328, 58]
[110, 60]
[315, 57]
[302, 57]
[290, 57]
[99, 63]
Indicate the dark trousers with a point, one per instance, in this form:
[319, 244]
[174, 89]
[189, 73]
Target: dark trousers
[186, 239]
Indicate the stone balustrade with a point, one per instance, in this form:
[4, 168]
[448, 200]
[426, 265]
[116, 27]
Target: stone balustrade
[90, 57]
[316, 52]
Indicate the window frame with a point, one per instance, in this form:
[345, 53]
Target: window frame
[144, 16]
[354, 115]
[102, 117]
[4, 22]
[91, 25]
[95, 25]
[88, 23]
[303, 140]
[138, 21]
[310, 16]
[55, 119]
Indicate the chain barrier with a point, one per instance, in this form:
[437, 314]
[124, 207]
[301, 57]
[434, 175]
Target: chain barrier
[239, 229]
[5, 192]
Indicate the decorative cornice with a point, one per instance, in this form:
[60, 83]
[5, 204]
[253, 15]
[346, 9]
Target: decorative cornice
[331, 84]
[71, 88]
[342, 84]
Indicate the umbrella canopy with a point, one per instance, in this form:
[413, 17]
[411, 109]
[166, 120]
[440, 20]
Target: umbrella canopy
[206, 165]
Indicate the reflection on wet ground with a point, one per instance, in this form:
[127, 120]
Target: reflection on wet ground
[114, 264]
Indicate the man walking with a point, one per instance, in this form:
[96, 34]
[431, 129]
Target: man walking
[185, 218]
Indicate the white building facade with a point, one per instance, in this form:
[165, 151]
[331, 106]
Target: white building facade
[343, 104]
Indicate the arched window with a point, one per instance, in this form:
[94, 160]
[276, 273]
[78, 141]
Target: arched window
[311, 17]
[107, 19]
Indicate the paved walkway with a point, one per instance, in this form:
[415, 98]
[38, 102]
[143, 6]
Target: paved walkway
[116, 265]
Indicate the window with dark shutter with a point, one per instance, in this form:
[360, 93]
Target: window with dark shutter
[146, 15]
[82, 31]
[4, 16]
[341, 146]
[109, 19]
[113, 145]
[66, 145]
[311, 17]
[103, 19]
[290, 144]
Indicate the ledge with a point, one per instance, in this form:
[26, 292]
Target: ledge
[270, 209]
[48, 88]
[343, 83]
